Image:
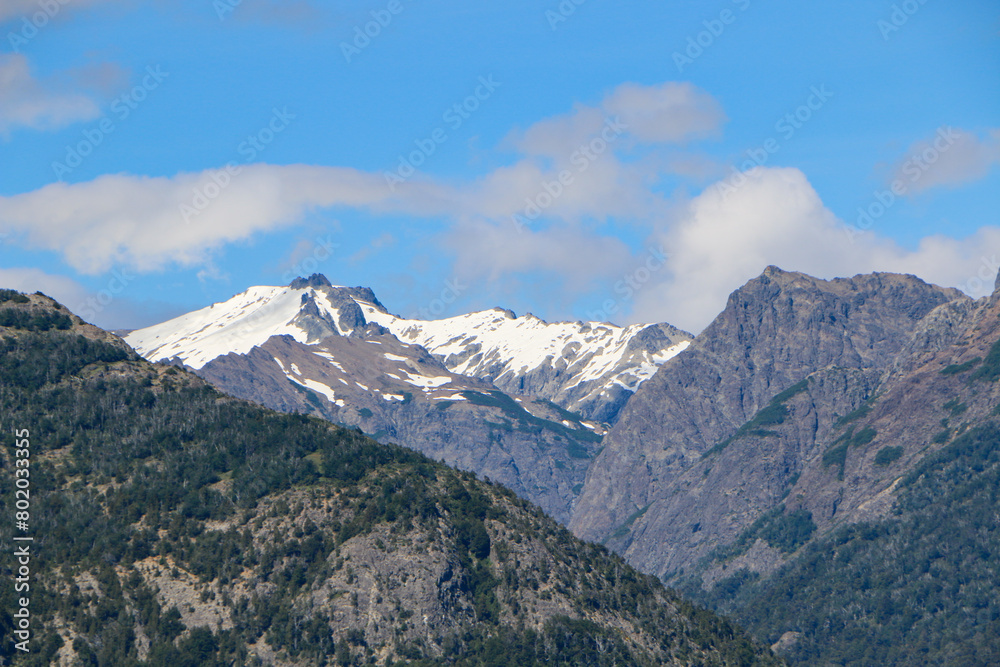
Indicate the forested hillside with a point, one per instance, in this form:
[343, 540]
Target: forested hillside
[173, 525]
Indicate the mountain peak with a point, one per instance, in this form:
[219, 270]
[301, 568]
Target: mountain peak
[507, 312]
[315, 280]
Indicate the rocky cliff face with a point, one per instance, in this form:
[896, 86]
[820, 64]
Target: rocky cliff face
[665, 491]
[884, 539]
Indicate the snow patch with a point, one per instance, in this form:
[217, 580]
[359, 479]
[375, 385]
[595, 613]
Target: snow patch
[425, 382]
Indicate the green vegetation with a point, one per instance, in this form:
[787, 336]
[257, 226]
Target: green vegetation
[917, 589]
[624, 529]
[853, 416]
[990, 370]
[795, 389]
[887, 455]
[12, 295]
[955, 407]
[529, 423]
[42, 320]
[562, 412]
[836, 455]
[30, 361]
[133, 465]
[780, 529]
[955, 369]
[771, 415]
[862, 437]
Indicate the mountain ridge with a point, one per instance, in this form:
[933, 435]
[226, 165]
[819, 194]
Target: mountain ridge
[175, 525]
[774, 331]
[336, 352]
[519, 355]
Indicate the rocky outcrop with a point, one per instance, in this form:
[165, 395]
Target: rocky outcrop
[673, 482]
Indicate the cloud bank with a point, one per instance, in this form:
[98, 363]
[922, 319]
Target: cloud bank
[552, 215]
[29, 102]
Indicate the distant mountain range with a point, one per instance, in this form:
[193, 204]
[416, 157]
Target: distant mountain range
[515, 399]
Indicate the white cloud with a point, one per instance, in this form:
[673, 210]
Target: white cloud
[950, 158]
[64, 290]
[15, 9]
[716, 242]
[488, 252]
[778, 218]
[28, 102]
[134, 221]
[667, 113]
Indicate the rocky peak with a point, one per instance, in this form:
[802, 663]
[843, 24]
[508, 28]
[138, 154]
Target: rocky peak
[507, 312]
[359, 293]
[776, 330]
[315, 280]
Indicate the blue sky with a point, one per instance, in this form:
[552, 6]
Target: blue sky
[629, 161]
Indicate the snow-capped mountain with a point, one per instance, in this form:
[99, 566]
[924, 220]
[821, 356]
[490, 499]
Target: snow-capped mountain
[308, 310]
[591, 368]
[585, 367]
[489, 392]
